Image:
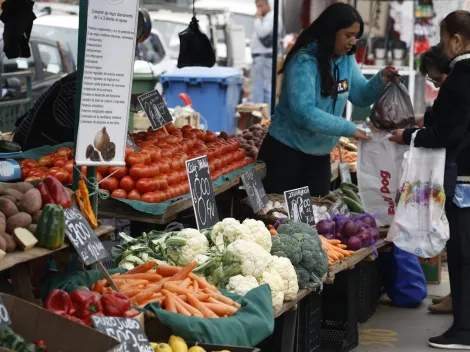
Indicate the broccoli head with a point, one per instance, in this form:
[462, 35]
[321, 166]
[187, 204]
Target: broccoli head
[296, 227]
[286, 246]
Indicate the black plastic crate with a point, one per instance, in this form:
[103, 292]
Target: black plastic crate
[273, 342]
[309, 323]
[369, 290]
[339, 313]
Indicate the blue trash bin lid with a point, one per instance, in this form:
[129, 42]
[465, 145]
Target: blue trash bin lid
[225, 75]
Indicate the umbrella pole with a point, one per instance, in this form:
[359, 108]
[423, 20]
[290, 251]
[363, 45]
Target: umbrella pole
[275, 51]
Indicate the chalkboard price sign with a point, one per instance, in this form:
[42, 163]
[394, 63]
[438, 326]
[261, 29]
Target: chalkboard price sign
[83, 238]
[202, 194]
[340, 208]
[255, 190]
[299, 205]
[127, 331]
[130, 143]
[4, 316]
[155, 109]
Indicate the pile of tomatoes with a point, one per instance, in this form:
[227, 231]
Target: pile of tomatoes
[158, 171]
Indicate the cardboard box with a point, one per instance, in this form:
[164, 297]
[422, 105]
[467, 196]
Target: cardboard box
[432, 269]
[60, 334]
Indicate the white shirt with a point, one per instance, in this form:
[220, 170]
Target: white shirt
[263, 27]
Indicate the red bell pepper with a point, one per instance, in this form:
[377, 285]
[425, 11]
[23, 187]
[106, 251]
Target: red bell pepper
[115, 304]
[86, 303]
[71, 317]
[40, 346]
[59, 301]
[53, 192]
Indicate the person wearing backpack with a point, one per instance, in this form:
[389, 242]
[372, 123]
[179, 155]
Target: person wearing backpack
[451, 130]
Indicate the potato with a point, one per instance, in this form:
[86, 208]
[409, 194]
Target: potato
[7, 207]
[36, 216]
[31, 202]
[3, 224]
[21, 219]
[11, 244]
[12, 192]
[13, 199]
[3, 244]
[22, 187]
[32, 228]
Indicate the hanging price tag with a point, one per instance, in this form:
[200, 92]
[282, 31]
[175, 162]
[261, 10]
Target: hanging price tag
[155, 109]
[202, 194]
[299, 205]
[339, 207]
[127, 331]
[83, 238]
[255, 190]
[4, 316]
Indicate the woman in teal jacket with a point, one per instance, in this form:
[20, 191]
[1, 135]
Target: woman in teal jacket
[320, 75]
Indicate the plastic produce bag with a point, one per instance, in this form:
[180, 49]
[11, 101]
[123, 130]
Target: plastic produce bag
[420, 225]
[393, 110]
[195, 47]
[378, 173]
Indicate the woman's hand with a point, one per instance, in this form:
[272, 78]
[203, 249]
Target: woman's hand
[419, 121]
[360, 135]
[387, 74]
[397, 137]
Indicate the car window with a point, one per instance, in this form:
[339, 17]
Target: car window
[19, 65]
[151, 50]
[246, 21]
[67, 36]
[50, 59]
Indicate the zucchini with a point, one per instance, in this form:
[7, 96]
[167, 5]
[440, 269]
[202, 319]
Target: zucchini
[9, 147]
[350, 194]
[354, 206]
[351, 186]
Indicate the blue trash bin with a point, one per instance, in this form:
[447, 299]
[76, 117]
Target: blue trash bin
[214, 92]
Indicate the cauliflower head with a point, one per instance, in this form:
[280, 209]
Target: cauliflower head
[227, 231]
[259, 233]
[276, 284]
[194, 243]
[250, 256]
[286, 270]
[242, 284]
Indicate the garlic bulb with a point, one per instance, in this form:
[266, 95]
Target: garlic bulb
[101, 138]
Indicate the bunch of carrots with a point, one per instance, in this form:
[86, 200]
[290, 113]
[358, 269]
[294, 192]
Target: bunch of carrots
[335, 250]
[177, 290]
[348, 157]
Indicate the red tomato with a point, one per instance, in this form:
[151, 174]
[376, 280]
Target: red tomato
[59, 161]
[164, 166]
[43, 169]
[186, 128]
[148, 197]
[152, 152]
[154, 169]
[211, 167]
[45, 161]
[162, 143]
[167, 151]
[32, 172]
[234, 143]
[69, 166]
[147, 144]
[24, 172]
[159, 196]
[189, 142]
[173, 192]
[54, 170]
[210, 137]
[199, 134]
[110, 184]
[135, 158]
[129, 150]
[190, 135]
[139, 171]
[161, 184]
[133, 195]
[119, 193]
[173, 178]
[30, 164]
[103, 170]
[184, 146]
[99, 177]
[127, 183]
[66, 152]
[142, 135]
[175, 164]
[24, 161]
[118, 171]
[170, 127]
[171, 139]
[32, 178]
[167, 194]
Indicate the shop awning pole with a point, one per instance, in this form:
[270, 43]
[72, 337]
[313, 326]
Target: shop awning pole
[275, 47]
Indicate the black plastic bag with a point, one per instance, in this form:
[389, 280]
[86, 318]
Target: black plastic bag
[195, 47]
[393, 110]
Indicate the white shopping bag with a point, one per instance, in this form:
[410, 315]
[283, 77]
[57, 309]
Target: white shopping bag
[378, 174]
[420, 225]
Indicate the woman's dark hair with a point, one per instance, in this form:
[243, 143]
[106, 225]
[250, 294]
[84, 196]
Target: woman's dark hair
[434, 60]
[323, 31]
[457, 22]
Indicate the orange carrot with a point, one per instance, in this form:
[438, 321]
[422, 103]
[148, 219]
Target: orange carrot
[183, 273]
[203, 297]
[167, 270]
[130, 282]
[99, 286]
[196, 286]
[149, 277]
[141, 297]
[194, 312]
[142, 268]
[220, 297]
[152, 300]
[186, 282]
[170, 303]
[192, 300]
[175, 288]
[131, 292]
[179, 307]
[153, 288]
[221, 309]
[203, 283]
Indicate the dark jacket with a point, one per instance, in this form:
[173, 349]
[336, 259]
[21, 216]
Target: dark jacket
[448, 126]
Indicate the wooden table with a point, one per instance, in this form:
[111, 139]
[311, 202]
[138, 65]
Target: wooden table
[16, 263]
[111, 208]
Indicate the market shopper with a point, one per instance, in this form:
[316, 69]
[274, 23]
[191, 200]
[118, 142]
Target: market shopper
[320, 75]
[451, 113]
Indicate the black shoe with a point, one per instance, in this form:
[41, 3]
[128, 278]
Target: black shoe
[447, 342]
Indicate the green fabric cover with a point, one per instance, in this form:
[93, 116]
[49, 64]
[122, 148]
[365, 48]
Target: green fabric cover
[248, 327]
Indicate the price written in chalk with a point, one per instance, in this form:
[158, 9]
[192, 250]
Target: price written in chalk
[127, 331]
[255, 190]
[155, 109]
[4, 316]
[83, 238]
[299, 205]
[202, 194]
